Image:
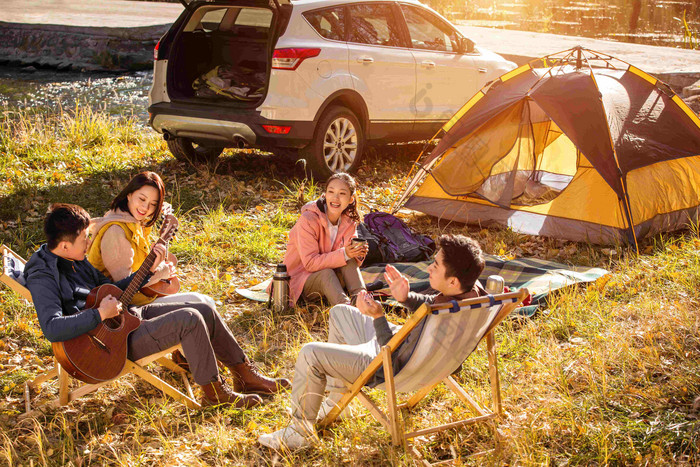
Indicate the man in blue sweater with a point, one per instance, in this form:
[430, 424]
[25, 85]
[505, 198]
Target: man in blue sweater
[355, 336]
[60, 279]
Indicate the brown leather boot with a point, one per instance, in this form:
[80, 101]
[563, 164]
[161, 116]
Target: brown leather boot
[246, 378]
[219, 393]
[180, 360]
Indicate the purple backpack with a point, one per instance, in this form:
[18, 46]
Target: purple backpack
[397, 242]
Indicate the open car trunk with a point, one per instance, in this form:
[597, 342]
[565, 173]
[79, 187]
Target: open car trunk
[222, 53]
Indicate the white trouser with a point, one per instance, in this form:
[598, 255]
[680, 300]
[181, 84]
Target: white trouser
[187, 297]
[351, 347]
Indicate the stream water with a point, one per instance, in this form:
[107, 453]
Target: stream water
[119, 95]
[653, 22]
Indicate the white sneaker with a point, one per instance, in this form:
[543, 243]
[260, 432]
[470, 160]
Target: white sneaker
[326, 406]
[296, 436]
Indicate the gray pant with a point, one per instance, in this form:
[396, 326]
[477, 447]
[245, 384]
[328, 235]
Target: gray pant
[330, 283]
[197, 326]
[351, 347]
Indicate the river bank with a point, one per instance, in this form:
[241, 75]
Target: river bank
[119, 35]
[115, 35]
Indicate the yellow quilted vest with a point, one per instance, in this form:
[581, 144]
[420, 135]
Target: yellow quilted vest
[138, 237]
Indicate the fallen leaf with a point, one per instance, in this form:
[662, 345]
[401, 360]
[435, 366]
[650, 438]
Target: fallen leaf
[251, 427]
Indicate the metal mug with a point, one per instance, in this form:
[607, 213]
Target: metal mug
[495, 284]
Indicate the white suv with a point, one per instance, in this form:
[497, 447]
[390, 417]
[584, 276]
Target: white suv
[318, 78]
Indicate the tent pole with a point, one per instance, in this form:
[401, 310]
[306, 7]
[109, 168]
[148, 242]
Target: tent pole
[628, 212]
[578, 57]
[623, 184]
[408, 185]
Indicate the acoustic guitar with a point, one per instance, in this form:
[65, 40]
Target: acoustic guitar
[164, 287]
[100, 355]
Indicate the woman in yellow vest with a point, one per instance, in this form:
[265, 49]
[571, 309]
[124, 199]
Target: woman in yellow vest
[121, 244]
[121, 239]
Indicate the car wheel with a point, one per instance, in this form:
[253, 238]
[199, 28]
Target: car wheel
[186, 150]
[337, 145]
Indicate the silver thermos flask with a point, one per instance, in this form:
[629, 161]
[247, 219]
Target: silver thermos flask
[280, 289]
[495, 284]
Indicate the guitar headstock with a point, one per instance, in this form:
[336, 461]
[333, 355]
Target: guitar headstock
[166, 209]
[168, 229]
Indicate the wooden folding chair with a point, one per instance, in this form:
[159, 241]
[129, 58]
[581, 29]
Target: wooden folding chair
[66, 395]
[12, 266]
[450, 334]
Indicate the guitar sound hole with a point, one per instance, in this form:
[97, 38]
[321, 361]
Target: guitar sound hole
[113, 323]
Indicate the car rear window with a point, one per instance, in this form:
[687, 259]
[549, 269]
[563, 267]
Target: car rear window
[229, 19]
[329, 23]
[373, 24]
[212, 19]
[258, 17]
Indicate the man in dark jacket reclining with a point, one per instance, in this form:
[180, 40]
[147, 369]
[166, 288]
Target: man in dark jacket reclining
[60, 279]
[355, 336]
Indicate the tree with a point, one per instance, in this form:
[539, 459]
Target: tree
[634, 17]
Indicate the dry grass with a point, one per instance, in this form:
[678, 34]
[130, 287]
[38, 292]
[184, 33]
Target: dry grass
[606, 375]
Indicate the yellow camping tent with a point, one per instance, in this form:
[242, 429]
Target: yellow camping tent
[577, 145]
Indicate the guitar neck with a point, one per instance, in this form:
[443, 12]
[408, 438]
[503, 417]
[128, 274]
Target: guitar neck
[167, 231]
[137, 280]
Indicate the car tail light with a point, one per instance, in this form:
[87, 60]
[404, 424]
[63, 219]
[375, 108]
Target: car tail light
[277, 129]
[290, 59]
[155, 51]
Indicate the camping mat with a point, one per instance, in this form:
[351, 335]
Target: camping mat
[256, 292]
[539, 276]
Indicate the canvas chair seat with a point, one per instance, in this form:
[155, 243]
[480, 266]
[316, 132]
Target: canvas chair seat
[452, 331]
[12, 273]
[447, 339]
[12, 276]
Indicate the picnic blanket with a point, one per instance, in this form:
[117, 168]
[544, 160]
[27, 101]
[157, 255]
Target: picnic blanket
[539, 276]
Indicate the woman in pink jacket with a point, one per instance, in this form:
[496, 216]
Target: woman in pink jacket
[321, 258]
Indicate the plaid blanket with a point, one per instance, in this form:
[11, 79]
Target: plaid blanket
[539, 276]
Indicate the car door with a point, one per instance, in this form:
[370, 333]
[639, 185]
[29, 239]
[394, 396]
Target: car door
[381, 64]
[445, 77]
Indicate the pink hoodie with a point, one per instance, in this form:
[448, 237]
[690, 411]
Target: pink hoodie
[309, 248]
